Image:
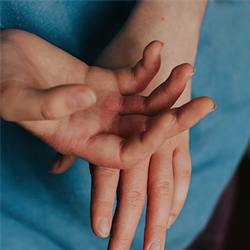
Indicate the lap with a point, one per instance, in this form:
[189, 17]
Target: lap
[39, 209]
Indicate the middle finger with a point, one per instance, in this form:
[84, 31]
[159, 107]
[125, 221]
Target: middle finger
[130, 203]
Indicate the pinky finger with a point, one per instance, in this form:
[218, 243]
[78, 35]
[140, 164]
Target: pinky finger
[182, 175]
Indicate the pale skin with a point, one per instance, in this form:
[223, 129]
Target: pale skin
[44, 124]
[165, 177]
[39, 83]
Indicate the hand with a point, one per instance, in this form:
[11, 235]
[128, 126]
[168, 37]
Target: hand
[167, 178]
[177, 25]
[45, 90]
[133, 182]
[164, 177]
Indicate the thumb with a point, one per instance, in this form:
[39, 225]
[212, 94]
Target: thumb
[20, 103]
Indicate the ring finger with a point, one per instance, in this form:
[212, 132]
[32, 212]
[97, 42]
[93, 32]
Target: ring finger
[160, 194]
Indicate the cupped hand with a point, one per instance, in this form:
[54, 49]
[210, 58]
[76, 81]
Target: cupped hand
[49, 92]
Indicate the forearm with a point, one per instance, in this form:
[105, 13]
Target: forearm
[175, 23]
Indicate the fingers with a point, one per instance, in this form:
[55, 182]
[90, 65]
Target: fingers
[149, 141]
[130, 202]
[134, 81]
[160, 193]
[121, 153]
[19, 103]
[163, 97]
[109, 150]
[116, 152]
[186, 117]
[170, 90]
[182, 175]
[189, 114]
[144, 144]
[61, 163]
[103, 191]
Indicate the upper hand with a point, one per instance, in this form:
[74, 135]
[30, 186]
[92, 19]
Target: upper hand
[44, 89]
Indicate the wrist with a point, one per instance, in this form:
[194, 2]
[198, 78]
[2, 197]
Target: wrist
[176, 25]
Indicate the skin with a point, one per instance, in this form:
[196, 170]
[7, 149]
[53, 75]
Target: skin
[165, 176]
[43, 89]
[40, 73]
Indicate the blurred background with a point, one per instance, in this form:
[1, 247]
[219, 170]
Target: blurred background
[229, 226]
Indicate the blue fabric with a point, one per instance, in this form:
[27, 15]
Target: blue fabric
[43, 211]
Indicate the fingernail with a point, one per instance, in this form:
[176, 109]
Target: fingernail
[162, 45]
[170, 221]
[82, 99]
[103, 227]
[192, 72]
[155, 246]
[190, 76]
[215, 106]
[55, 164]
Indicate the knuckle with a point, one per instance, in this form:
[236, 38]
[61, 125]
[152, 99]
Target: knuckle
[161, 188]
[106, 172]
[135, 198]
[158, 229]
[101, 205]
[103, 172]
[172, 89]
[121, 242]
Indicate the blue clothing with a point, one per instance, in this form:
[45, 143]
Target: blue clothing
[43, 211]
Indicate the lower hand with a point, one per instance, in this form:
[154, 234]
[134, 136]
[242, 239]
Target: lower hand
[164, 178]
